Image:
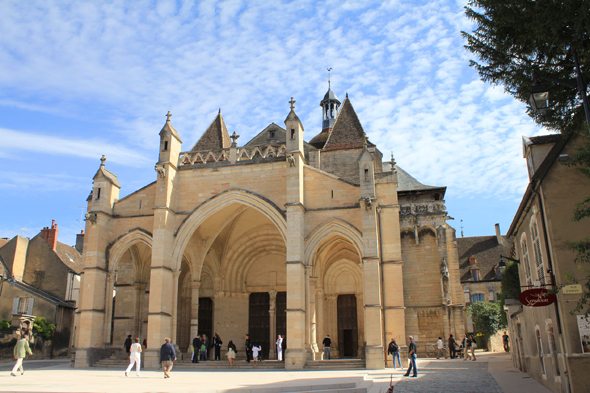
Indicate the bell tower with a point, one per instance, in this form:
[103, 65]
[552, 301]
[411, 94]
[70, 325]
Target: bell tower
[330, 106]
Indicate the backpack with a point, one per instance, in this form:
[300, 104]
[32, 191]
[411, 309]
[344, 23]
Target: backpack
[393, 348]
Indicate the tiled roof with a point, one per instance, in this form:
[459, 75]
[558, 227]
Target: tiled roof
[215, 137]
[3, 241]
[544, 139]
[347, 132]
[70, 257]
[486, 251]
[405, 182]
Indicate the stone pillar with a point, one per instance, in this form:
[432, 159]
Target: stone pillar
[176, 275]
[272, 313]
[108, 320]
[195, 286]
[313, 338]
[331, 324]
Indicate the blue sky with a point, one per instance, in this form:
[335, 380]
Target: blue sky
[82, 79]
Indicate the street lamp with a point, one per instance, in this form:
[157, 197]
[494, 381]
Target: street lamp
[539, 96]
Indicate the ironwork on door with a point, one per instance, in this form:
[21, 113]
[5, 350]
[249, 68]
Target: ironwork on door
[347, 326]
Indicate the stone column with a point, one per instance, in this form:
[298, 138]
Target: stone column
[321, 316]
[313, 318]
[176, 275]
[111, 278]
[195, 286]
[331, 324]
[272, 312]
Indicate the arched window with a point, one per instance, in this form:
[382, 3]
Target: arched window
[540, 350]
[537, 250]
[525, 259]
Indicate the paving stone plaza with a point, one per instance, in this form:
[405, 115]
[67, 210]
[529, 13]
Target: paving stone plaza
[491, 373]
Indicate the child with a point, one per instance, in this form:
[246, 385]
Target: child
[255, 351]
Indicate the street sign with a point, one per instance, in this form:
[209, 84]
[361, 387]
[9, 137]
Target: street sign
[573, 289]
[537, 297]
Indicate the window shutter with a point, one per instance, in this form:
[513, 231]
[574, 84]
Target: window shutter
[15, 303]
[30, 306]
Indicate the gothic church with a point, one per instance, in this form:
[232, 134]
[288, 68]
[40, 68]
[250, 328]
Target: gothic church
[276, 236]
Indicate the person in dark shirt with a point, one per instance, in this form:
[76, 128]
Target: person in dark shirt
[167, 357]
[127, 345]
[196, 347]
[412, 355]
[327, 342]
[505, 340]
[452, 349]
[248, 345]
[217, 345]
[393, 349]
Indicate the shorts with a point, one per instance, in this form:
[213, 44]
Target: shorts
[167, 365]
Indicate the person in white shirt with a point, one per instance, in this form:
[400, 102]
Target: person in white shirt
[255, 351]
[280, 348]
[134, 358]
[441, 349]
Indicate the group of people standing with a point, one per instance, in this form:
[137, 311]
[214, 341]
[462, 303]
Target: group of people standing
[201, 346]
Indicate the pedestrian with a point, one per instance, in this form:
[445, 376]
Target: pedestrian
[393, 349]
[255, 351]
[127, 345]
[473, 346]
[145, 343]
[167, 357]
[452, 349]
[231, 353]
[20, 352]
[134, 358]
[279, 348]
[217, 344]
[412, 355]
[196, 348]
[284, 347]
[440, 346]
[248, 345]
[327, 342]
[466, 347]
[204, 346]
[505, 340]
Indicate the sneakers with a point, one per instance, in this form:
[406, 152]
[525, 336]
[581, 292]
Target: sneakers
[126, 374]
[13, 374]
[414, 376]
[406, 375]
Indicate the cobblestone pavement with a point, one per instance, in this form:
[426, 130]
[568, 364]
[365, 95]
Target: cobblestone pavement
[455, 376]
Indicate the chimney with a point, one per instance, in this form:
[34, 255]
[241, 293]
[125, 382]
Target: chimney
[80, 241]
[50, 234]
[498, 235]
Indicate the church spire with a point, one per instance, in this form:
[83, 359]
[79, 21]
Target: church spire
[330, 105]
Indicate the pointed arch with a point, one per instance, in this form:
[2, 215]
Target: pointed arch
[334, 226]
[117, 249]
[218, 202]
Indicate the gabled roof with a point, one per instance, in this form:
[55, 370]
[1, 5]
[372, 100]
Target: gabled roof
[292, 116]
[215, 137]
[168, 128]
[347, 132]
[405, 182]
[70, 257]
[486, 251]
[110, 176]
[261, 139]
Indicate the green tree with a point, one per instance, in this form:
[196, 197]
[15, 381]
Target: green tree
[486, 318]
[514, 38]
[43, 328]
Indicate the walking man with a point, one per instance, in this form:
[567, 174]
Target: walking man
[327, 342]
[412, 355]
[440, 348]
[20, 352]
[394, 350]
[248, 346]
[167, 357]
[505, 339]
[452, 349]
[127, 345]
[196, 348]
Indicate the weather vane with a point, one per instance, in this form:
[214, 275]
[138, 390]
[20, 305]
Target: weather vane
[329, 70]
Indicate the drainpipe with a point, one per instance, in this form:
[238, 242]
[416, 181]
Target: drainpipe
[552, 276]
[382, 285]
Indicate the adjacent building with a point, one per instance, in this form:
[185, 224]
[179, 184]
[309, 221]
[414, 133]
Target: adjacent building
[275, 236]
[548, 342]
[40, 277]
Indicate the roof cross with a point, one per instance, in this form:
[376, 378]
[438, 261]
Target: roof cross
[102, 160]
[292, 102]
[234, 137]
[168, 115]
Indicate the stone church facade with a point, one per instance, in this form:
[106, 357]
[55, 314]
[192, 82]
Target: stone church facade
[277, 236]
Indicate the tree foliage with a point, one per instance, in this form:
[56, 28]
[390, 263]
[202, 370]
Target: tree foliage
[43, 328]
[510, 288]
[514, 38]
[486, 317]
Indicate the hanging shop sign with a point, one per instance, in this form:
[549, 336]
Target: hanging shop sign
[537, 297]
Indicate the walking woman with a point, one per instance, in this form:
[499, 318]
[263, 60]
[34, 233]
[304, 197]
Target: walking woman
[217, 344]
[134, 358]
[473, 346]
[466, 347]
[231, 353]
[20, 352]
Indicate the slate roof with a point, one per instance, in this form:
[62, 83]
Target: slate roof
[70, 257]
[3, 242]
[215, 137]
[544, 139]
[347, 132]
[405, 182]
[486, 251]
